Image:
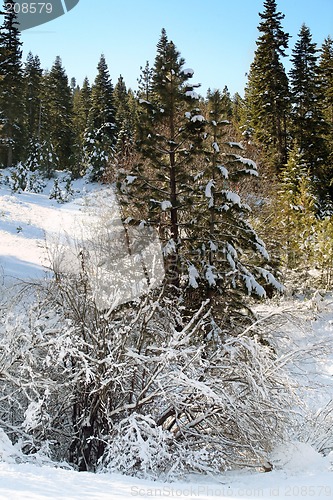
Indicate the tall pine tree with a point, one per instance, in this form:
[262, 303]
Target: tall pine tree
[100, 136]
[81, 109]
[32, 96]
[11, 88]
[57, 114]
[125, 119]
[168, 139]
[326, 86]
[267, 93]
[102, 112]
[307, 120]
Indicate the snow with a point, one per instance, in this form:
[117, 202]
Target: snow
[35, 230]
[300, 471]
[246, 161]
[233, 197]
[143, 101]
[304, 475]
[216, 147]
[188, 72]
[210, 276]
[237, 145]
[224, 171]
[130, 179]
[192, 276]
[197, 118]
[165, 205]
[208, 191]
[192, 94]
[252, 172]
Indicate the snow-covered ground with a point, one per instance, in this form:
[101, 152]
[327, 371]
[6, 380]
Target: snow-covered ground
[26, 222]
[36, 483]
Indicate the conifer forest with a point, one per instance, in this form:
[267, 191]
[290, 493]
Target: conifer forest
[222, 204]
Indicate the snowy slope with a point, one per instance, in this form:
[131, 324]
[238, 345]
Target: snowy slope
[26, 222]
[305, 326]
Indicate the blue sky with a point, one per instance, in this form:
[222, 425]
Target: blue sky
[216, 37]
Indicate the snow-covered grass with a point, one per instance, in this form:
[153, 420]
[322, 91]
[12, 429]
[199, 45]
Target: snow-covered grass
[300, 329]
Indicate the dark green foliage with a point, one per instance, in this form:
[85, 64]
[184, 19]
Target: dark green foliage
[125, 119]
[81, 107]
[102, 112]
[57, 114]
[100, 135]
[32, 96]
[326, 78]
[307, 121]
[11, 88]
[267, 94]
[326, 93]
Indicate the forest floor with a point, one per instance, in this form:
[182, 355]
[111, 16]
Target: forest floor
[301, 329]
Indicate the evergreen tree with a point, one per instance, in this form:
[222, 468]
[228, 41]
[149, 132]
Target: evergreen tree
[238, 110]
[326, 86]
[145, 82]
[307, 120]
[11, 87]
[125, 119]
[81, 108]
[297, 210]
[57, 114]
[168, 138]
[267, 94]
[32, 96]
[226, 255]
[326, 78]
[100, 136]
[102, 112]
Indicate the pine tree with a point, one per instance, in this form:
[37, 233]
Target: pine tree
[326, 78]
[227, 256]
[102, 112]
[100, 135]
[81, 108]
[125, 119]
[32, 96]
[57, 114]
[168, 139]
[307, 120]
[267, 94]
[326, 87]
[11, 87]
[145, 82]
[238, 110]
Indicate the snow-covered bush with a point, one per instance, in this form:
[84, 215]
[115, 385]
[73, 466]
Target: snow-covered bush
[62, 190]
[138, 446]
[22, 178]
[316, 429]
[129, 388]
[95, 154]
[42, 158]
